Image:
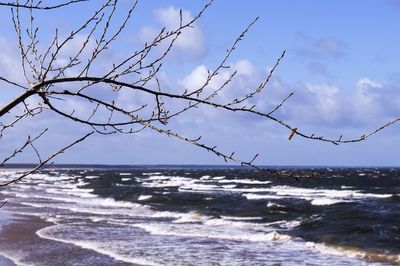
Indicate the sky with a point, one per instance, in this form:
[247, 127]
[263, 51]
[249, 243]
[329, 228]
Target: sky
[342, 63]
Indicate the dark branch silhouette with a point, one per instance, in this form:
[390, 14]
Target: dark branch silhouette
[39, 5]
[53, 81]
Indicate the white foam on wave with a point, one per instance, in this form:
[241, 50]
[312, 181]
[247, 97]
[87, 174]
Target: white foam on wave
[96, 219]
[167, 181]
[346, 187]
[110, 202]
[153, 173]
[166, 214]
[76, 203]
[315, 196]
[126, 179]
[124, 174]
[212, 232]
[353, 253]
[290, 224]
[9, 172]
[240, 218]
[14, 193]
[245, 181]
[45, 177]
[17, 259]
[252, 196]
[100, 247]
[92, 176]
[274, 205]
[229, 186]
[206, 184]
[144, 197]
[80, 200]
[191, 217]
[79, 192]
[139, 211]
[241, 224]
[164, 177]
[199, 187]
[321, 202]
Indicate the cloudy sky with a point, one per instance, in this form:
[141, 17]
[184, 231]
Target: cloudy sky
[342, 62]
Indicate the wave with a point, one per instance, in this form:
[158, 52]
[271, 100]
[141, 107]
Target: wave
[240, 218]
[144, 197]
[355, 253]
[92, 176]
[252, 196]
[124, 174]
[69, 200]
[320, 202]
[17, 260]
[315, 196]
[152, 173]
[245, 181]
[166, 229]
[218, 177]
[98, 246]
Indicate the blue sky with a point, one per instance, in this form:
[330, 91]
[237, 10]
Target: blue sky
[342, 62]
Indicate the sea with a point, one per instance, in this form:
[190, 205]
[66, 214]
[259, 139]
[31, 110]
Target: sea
[203, 215]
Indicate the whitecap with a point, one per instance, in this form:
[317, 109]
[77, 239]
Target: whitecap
[144, 197]
[252, 196]
[193, 231]
[245, 181]
[154, 173]
[91, 177]
[325, 201]
[98, 246]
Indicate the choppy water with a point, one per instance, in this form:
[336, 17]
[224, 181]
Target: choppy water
[215, 216]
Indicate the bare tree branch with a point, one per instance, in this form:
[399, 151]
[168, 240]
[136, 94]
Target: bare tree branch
[53, 79]
[39, 5]
[43, 163]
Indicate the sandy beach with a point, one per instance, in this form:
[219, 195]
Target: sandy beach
[20, 243]
[5, 218]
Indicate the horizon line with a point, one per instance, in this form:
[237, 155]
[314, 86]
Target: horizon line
[222, 166]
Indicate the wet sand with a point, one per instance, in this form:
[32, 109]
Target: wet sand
[5, 218]
[19, 242]
[6, 262]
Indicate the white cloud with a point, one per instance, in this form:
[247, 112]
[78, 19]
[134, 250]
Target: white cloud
[191, 42]
[366, 98]
[245, 68]
[316, 104]
[196, 78]
[366, 86]
[247, 79]
[10, 66]
[367, 104]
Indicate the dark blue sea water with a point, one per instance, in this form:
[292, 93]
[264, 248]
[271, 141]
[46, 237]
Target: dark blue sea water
[204, 216]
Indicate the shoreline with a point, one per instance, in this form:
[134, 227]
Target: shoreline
[5, 218]
[20, 245]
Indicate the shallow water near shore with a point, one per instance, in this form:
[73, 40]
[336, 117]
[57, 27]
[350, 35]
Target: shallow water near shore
[203, 216]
